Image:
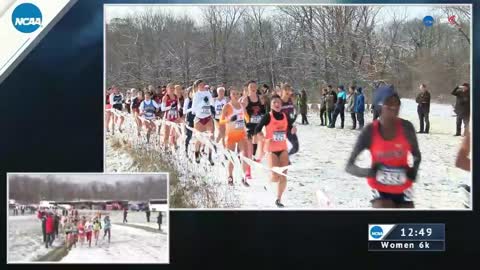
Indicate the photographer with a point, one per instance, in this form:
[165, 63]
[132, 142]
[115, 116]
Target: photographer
[462, 106]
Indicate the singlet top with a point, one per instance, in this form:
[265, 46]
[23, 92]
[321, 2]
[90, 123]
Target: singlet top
[172, 114]
[202, 102]
[255, 110]
[218, 105]
[288, 108]
[149, 107]
[239, 124]
[277, 134]
[393, 157]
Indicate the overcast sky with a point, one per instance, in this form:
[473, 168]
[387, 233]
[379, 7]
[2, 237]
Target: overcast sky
[85, 178]
[194, 12]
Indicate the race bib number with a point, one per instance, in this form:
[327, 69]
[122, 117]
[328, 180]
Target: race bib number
[206, 109]
[255, 119]
[278, 136]
[239, 124]
[219, 109]
[173, 113]
[391, 176]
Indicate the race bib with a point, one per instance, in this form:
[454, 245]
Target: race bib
[206, 109]
[255, 119]
[239, 124]
[278, 136]
[219, 109]
[391, 176]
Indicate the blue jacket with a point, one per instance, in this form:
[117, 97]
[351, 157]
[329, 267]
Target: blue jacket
[341, 99]
[359, 104]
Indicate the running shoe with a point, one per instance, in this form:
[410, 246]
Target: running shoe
[230, 181]
[210, 159]
[279, 204]
[244, 182]
[197, 157]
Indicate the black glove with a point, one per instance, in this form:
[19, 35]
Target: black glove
[411, 174]
[233, 118]
[205, 99]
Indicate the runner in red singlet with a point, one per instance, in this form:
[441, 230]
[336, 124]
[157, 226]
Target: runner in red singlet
[389, 140]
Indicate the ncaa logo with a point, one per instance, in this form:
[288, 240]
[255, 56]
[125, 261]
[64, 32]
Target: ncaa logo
[376, 232]
[27, 18]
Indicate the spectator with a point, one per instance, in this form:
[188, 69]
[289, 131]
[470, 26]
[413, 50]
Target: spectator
[323, 108]
[56, 223]
[423, 108]
[360, 107]
[331, 97]
[50, 230]
[43, 218]
[339, 107]
[125, 213]
[147, 212]
[303, 107]
[351, 105]
[159, 221]
[462, 106]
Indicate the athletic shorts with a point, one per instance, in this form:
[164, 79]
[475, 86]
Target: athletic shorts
[89, 235]
[251, 129]
[405, 197]
[203, 121]
[235, 137]
[117, 106]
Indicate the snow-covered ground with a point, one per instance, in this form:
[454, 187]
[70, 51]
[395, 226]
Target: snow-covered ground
[319, 168]
[25, 240]
[128, 244]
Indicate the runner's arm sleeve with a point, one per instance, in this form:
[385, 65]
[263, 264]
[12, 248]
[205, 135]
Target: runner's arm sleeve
[417, 156]
[290, 123]
[111, 99]
[185, 105]
[156, 104]
[263, 122]
[141, 107]
[363, 142]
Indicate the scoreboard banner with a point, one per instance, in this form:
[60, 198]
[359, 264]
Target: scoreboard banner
[406, 237]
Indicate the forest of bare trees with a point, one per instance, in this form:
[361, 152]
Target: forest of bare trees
[31, 189]
[308, 46]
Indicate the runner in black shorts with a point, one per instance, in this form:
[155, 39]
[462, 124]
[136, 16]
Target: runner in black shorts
[255, 109]
[390, 139]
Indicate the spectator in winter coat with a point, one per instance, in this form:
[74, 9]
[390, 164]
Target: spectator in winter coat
[330, 102]
[423, 108]
[323, 107]
[360, 107]
[351, 105]
[49, 229]
[43, 218]
[303, 107]
[339, 107]
[56, 220]
[147, 212]
[125, 213]
[159, 221]
[462, 106]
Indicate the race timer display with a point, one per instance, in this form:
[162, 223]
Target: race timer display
[406, 237]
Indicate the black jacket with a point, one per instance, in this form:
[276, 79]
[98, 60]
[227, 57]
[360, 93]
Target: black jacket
[423, 100]
[462, 104]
